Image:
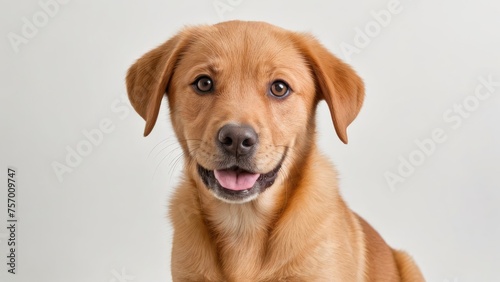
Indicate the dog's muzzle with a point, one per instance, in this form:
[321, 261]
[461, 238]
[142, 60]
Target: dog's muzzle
[236, 181]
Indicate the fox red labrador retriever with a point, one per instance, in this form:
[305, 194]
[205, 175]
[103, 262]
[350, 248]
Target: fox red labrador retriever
[257, 200]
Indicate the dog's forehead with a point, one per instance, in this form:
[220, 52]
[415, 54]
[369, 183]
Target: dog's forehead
[251, 42]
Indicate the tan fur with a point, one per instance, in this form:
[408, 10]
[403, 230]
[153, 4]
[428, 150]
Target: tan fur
[299, 229]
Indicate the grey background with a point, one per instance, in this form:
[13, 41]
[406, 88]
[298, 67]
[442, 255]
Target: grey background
[106, 219]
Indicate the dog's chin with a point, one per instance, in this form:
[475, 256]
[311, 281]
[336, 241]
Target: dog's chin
[241, 194]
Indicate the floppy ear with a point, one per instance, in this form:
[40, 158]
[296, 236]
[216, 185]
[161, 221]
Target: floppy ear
[148, 78]
[337, 83]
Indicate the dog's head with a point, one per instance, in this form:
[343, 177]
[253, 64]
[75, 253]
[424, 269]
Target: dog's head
[242, 98]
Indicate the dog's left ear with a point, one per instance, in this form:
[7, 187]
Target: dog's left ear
[148, 78]
[337, 83]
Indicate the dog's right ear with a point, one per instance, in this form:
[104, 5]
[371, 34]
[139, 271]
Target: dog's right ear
[148, 78]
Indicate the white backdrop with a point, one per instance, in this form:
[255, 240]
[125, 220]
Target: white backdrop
[422, 165]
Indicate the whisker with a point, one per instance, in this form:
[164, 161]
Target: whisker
[174, 143]
[172, 167]
[161, 142]
[176, 161]
[158, 165]
[173, 147]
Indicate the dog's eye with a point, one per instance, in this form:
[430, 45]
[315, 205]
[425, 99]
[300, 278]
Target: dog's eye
[279, 89]
[203, 84]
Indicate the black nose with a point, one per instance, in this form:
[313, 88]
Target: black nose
[237, 139]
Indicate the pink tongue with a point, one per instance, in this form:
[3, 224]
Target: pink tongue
[234, 180]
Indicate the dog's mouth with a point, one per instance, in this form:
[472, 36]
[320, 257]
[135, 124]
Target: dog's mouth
[237, 185]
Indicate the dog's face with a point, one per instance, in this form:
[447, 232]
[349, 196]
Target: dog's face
[242, 98]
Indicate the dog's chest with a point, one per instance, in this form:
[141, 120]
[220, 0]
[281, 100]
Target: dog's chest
[241, 236]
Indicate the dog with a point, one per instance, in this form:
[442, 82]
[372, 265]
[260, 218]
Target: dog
[257, 200]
